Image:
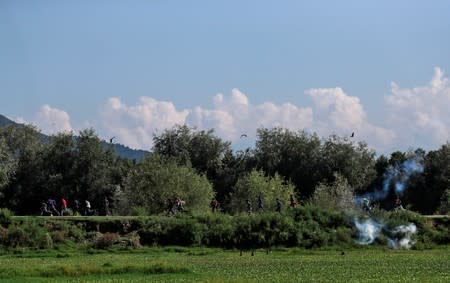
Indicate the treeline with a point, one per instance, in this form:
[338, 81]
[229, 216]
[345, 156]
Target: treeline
[197, 166]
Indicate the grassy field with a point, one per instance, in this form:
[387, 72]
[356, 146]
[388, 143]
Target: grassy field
[176, 264]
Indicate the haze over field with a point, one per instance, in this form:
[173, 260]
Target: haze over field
[379, 69]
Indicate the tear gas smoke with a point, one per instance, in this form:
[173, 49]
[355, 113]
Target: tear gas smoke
[368, 230]
[399, 237]
[398, 176]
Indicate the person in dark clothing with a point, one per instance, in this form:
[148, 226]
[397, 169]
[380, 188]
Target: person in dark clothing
[170, 206]
[76, 207]
[51, 204]
[214, 205]
[278, 205]
[44, 210]
[260, 203]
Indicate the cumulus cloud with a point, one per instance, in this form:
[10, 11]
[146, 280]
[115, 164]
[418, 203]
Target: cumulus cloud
[52, 120]
[338, 113]
[415, 117]
[135, 125]
[420, 115]
[235, 115]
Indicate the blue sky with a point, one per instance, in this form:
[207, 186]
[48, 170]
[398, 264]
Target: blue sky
[131, 68]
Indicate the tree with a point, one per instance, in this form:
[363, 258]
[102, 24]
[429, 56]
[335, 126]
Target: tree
[354, 162]
[203, 151]
[338, 195]
[22, 193]
[293, 155]
[6, 164]
[255, 184]
[155, 180]
[93, 170]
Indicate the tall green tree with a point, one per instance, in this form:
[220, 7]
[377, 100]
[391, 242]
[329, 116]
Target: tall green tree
[22, 194]
[203, 151]
[353, 161]
[93, 170]
[155, 180]
[293, 155]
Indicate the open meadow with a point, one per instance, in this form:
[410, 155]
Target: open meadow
[179, 264]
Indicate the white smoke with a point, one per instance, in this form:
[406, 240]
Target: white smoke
[398, 176]
[399, 237]
[368, 231]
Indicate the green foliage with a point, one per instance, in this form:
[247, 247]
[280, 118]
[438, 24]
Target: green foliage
[336, 196]
[155, 180]
[255, 184]
[29, 234]
[5, 217]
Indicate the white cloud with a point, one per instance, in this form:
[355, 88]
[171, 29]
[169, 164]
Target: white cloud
[235, 115]
[414, 117]
[135, 125]
[52, 120]
[338, 113]
[420, 115]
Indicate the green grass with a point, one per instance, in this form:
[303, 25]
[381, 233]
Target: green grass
[178, 264]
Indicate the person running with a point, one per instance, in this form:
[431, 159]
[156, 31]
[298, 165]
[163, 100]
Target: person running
[179, 203]
[293, 201]
[398, 204]
[214, 204]
[76, 207]
[366, 204]
[87, 208]
[260, 203]
[63, 206]
[278, 205]
[52, 206]
[106, 201]
[170, 206]
[44, 210]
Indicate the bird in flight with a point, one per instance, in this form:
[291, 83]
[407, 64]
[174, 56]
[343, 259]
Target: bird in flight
[243, 136]
[352, 135]
[111, 139]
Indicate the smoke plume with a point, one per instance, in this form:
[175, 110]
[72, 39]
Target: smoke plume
[399, 237]
[397, 176]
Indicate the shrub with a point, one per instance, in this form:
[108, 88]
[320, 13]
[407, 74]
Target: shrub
[28, 234]
[5, 217]
[106, 240]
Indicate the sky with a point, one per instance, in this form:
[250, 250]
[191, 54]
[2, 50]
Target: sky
[131, 69]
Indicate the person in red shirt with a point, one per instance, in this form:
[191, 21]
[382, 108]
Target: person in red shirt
[63, 206]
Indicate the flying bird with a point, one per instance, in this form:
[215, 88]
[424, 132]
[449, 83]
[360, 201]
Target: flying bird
[243, 136]
[352, 135]
[111, 139]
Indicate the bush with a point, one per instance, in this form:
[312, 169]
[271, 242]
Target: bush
[106, 240]
[28, 234]
[5, 217]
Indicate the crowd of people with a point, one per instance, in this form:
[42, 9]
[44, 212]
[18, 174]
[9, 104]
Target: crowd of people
[175, 205]
[51, 208]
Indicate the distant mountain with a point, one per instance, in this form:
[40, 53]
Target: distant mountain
[119, 149]
[6, 122]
